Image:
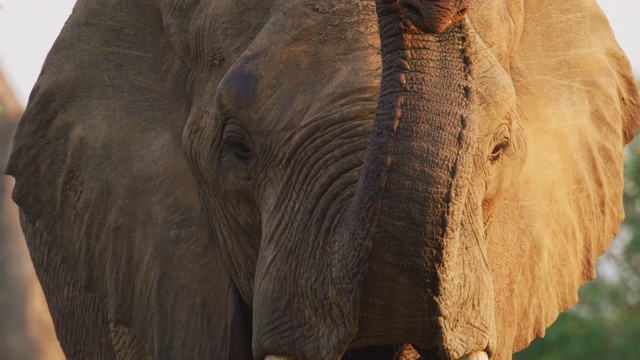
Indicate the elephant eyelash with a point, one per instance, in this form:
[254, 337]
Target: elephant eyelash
[497, 151]
[236, 142]
[238, 148]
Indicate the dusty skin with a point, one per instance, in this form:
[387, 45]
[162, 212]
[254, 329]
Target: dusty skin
[321, 179]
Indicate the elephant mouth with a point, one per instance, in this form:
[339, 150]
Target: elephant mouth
[388, 352]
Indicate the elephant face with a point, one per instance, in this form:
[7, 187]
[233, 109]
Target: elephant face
[322, 179]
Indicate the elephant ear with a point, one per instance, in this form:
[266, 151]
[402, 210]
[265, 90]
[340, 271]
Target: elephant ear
[111, 209]
[578, 105]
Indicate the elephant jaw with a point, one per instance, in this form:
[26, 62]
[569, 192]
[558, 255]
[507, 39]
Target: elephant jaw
[478, 355]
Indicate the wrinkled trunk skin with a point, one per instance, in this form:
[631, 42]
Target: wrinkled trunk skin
[426, 280]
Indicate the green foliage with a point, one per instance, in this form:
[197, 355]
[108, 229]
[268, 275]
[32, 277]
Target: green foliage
[605, 324]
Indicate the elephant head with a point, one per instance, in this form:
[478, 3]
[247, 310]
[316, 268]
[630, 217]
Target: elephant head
[322, 179]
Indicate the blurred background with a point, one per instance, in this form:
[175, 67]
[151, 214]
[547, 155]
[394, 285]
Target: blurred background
[605, 324]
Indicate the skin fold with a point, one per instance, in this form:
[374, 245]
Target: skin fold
[321, 179]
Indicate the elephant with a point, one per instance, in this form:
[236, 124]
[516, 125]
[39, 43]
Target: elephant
[321, 179]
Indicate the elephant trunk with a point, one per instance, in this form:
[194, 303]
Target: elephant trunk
[425, 283]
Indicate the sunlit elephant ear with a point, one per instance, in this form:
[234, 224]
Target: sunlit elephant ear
[111, 209]
[577, 102]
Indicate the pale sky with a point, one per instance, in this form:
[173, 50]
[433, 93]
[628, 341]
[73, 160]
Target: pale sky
[29, 27]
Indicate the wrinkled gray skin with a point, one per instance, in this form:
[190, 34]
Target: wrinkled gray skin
[235, 180]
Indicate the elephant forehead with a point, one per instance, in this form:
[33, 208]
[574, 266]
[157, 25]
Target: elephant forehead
[304, 53]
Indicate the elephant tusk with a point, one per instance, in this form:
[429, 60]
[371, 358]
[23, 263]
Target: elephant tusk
[478, 355]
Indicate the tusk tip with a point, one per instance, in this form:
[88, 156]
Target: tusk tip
[478, 355]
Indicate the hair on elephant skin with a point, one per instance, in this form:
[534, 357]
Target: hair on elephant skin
[321, 179]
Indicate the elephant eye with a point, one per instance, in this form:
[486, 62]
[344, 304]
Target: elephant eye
[239, 149]
[498, 150]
